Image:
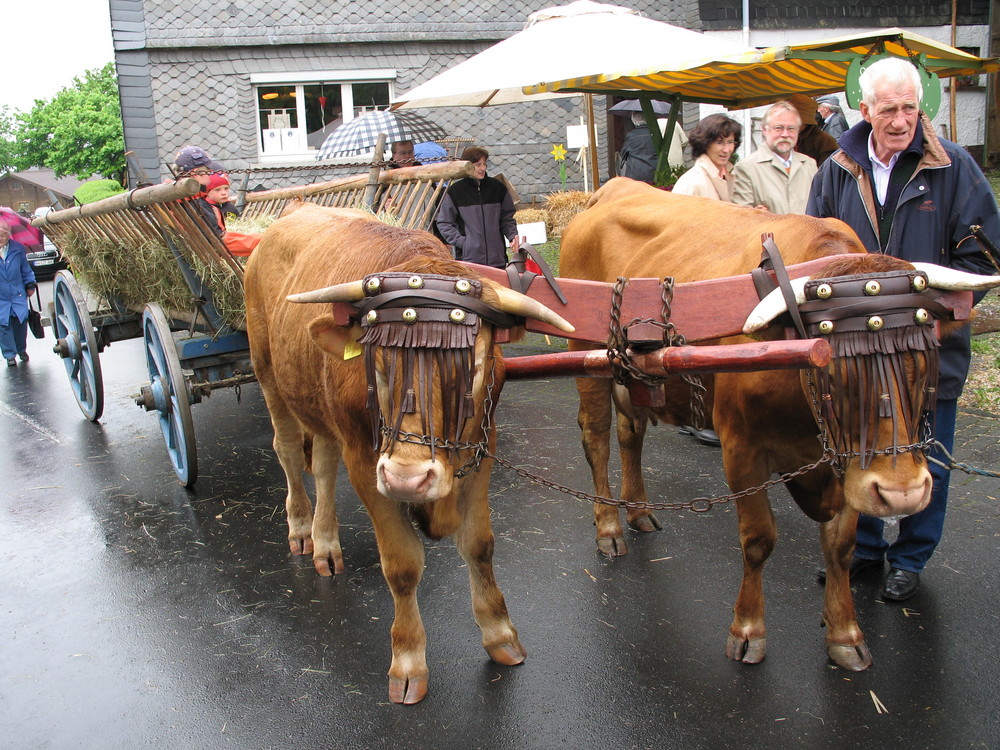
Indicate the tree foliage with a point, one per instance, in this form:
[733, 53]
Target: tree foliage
[78, 132]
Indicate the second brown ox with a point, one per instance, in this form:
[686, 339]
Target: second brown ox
[317, 394]
[763, 419]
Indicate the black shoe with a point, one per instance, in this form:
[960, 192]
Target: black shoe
[706, 436]
[900, 584]
[11, 362]
[24, 356]
[859, 565]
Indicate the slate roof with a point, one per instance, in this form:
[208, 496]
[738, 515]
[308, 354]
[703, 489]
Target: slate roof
[46, 179]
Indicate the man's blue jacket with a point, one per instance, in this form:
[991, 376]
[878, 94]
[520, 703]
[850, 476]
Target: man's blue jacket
[946, 194]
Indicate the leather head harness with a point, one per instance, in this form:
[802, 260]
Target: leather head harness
[426, 326]
[885, 358]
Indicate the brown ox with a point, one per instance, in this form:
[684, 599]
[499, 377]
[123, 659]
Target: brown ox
[763, 419]
[316, 393]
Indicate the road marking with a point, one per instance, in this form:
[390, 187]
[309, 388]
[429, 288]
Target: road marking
[33, 424]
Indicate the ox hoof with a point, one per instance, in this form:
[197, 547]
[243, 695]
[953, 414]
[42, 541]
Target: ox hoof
[300, 545]
[510, 654]
[855, 658]
[645, 523]
[615, 547]
[408, 691]
[750, 651]
[322, 565]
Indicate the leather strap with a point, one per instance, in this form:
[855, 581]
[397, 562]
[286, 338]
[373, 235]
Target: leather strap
[770, 260]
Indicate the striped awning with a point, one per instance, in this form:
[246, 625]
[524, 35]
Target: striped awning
[773, 73]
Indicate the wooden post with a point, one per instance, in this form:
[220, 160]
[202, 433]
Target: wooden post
[595, 176]
[369, 199]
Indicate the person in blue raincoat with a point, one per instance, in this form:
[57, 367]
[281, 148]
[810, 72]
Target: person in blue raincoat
[17, 283]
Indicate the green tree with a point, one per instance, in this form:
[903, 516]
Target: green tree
[78, 132]
[8, 140]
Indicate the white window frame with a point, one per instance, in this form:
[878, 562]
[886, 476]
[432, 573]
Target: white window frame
[345, 78]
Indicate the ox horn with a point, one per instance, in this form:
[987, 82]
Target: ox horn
[773, 305]
[952, 279]
[524, 306]
[352, 291]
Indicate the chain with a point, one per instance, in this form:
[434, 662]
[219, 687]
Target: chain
[384, 164]
[698, 505]
[621, 366]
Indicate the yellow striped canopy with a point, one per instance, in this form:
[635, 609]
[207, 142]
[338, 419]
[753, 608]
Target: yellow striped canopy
[772, 73]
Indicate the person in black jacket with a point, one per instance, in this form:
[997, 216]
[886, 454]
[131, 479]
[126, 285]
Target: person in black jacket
[477, 214]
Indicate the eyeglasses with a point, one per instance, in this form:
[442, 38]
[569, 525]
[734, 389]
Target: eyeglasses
[790, 129]
[724, 142]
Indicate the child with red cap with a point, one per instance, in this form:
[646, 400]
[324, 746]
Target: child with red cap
[217, 207]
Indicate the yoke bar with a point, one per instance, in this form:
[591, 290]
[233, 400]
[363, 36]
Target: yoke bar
[701, 310]
[676, 360]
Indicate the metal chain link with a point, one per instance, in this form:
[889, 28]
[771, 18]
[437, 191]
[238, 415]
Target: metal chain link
[698, 505]
[622, 367]
[383, 164]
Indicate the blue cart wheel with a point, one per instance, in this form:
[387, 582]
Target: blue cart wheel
[76, 343]
[170, 392]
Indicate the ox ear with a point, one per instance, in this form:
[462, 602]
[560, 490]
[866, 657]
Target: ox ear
[338, 341]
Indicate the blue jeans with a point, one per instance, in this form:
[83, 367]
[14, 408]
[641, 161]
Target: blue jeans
[13, 337]
[920, 533]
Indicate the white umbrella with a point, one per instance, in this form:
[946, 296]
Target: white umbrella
[578, 40]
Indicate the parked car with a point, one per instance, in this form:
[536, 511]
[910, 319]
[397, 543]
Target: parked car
[45, 259]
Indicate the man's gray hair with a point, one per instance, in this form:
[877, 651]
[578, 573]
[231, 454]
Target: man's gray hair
[894, 72]
[778, 107]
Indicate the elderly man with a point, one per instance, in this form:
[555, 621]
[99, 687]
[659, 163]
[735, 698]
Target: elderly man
[775, 177]
[834, 121]
[912, 195]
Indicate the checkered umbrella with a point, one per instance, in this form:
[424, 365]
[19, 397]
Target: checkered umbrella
[360, 134]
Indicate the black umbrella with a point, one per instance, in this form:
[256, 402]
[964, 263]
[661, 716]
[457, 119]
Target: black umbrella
[627, 107]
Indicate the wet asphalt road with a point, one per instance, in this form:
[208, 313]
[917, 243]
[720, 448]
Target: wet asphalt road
[138, 615]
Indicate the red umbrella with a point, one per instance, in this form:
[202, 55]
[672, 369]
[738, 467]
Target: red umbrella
[21, 229]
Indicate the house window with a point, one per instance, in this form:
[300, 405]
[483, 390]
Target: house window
[296, 113]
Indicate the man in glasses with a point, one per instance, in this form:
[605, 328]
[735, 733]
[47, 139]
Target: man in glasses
[776, 177]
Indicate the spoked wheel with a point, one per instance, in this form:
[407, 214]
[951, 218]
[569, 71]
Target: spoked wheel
[76, 343]
[169, 394]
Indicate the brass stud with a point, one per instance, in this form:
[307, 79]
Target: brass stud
[826, 326]
[872, 288]
[409, 315]
[922, 316]
[824, 291]
[875, 323]
[372, 317]
[457, 315]
[919, 283]
[463, 286]
[415, 282]
[373, 285]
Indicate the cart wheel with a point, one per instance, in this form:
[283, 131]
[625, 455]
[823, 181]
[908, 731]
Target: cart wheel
[77, 345]
[168, 392]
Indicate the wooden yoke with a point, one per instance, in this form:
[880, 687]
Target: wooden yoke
[701, 310]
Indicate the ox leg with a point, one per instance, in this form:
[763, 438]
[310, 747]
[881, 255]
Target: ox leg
[402, 557]
[325, 528]
[594, 419]
[289, 442]
[746, 467]
[845, 643]
[631, 434]
[475, 544]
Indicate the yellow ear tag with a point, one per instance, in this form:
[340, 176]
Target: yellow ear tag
[352, 349]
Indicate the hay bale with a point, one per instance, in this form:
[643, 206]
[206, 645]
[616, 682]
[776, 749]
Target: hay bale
[532, 215]
[561, 207]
